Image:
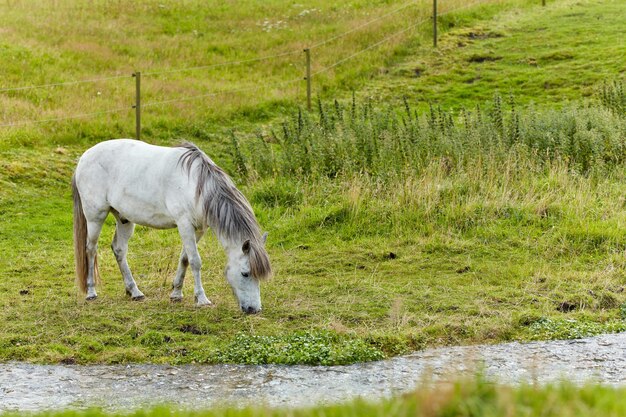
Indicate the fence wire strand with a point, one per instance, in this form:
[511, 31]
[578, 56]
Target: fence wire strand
[456, 9]
[218, 93]
[222, 64]
[394, 35]
[341, 35]
[56, 119]
[92, 80]
[372, 46]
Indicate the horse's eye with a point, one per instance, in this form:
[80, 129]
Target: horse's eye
[245, 274]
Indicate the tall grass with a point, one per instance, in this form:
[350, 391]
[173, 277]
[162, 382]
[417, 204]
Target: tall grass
[344, 140]
[613, 96]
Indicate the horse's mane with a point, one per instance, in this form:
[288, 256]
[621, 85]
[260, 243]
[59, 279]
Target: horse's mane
[225, 209]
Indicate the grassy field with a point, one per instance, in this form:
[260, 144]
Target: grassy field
[80, 40]
[52, 42]
[546, 55]
[504, 222]
[467, 398]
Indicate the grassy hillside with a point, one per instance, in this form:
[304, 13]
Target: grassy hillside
[551, 54]
[390, 229]
[50, 42]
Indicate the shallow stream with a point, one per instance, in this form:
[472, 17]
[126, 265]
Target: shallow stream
[26, 387]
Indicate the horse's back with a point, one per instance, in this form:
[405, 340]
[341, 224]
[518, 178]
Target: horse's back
[142, 182]
[122, 161]
[118, 153]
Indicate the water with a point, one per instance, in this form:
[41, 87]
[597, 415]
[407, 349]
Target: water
[25, 387]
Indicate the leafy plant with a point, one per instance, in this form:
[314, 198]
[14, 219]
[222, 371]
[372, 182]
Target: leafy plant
[385, 142]
[298, 348]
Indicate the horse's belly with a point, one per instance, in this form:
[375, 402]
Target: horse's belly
[143, 213]
[155, 222]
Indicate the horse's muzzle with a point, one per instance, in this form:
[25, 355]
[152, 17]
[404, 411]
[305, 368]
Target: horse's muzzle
[250, 310]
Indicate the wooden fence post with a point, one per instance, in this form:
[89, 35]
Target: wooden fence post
[137, 105]
[435, 23]
[307, 52]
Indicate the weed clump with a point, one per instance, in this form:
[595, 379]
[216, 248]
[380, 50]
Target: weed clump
[613, 97]
[385, 142]
[299, 348]
[551, 329]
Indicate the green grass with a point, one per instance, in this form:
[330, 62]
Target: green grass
[483, 246]
[466, 398]
[545, 55]
[471, 236]
[49, 42]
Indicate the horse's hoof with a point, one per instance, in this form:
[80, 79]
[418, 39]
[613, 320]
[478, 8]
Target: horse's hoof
[138, 298]
[91, 297]
[203, 302]
[207, 305]
[176, 299]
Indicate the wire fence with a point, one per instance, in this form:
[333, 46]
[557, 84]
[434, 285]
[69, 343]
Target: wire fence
[370, 47]
[359, 27]
[56, 119]
[223, 64]
[138, 105]
[61, 84]
[221, 92]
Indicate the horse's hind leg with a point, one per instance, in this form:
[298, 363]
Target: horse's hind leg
[94, 227]
[123, 232]
[177, 286]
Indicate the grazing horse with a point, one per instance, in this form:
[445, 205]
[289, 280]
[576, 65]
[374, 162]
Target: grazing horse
[164, 187]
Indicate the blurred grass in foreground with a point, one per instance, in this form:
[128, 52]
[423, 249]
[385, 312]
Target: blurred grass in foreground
[469, 398]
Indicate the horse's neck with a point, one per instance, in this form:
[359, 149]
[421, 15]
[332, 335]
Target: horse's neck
[230, 247]
[237, 220]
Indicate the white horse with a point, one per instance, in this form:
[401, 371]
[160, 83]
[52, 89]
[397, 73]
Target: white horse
[164, 188]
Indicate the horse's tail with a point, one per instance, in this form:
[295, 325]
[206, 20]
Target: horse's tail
[80, 242]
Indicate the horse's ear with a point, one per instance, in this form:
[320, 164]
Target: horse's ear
[246, 247]
[264, 238]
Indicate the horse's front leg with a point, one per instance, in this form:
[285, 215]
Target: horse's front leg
[177, 285]
[189, 235]
[183, 263]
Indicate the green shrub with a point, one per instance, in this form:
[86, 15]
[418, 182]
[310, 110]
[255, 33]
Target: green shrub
[385, 142]
[153, 339]
[613, 97]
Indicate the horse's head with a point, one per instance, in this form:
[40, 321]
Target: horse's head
[246, 266]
